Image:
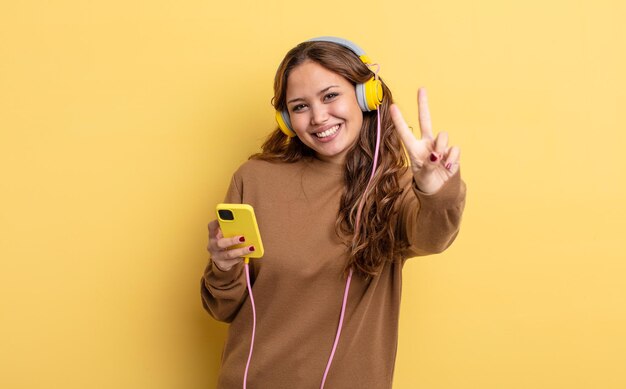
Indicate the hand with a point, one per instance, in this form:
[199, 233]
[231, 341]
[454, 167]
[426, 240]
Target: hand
[223, 257]
[433, 162]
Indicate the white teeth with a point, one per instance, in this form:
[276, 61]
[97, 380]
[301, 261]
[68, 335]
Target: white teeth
[328, 132]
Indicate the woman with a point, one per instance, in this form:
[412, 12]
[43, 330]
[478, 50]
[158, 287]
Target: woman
[330, 227]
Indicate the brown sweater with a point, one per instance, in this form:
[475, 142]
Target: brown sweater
[298, 285]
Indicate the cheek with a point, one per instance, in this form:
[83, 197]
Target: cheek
[352, 111]
[299, 123]
[356, 120]
[355, 115]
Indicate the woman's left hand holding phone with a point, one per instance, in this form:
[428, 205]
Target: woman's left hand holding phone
[223, 257]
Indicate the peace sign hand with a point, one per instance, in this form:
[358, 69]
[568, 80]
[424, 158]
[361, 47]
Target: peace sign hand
[433, 162]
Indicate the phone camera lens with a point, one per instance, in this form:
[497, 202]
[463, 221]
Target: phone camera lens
[226, 214]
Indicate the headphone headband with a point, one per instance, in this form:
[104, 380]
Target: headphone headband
[340, 41]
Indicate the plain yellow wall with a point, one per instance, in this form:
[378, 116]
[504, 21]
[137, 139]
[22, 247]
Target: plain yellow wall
[122, 121]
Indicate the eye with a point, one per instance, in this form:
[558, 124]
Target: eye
[330, 96]
[298, 108]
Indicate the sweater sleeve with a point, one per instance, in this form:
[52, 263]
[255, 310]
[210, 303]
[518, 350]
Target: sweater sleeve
[223, 292]
[431, 222]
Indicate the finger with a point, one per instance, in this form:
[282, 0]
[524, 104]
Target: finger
[452, 162]
[215, 232]
[214, 225]
[424, 114]
[225, 243]
[403, 129]
[213, 248]
[234, 253]
[441, 144]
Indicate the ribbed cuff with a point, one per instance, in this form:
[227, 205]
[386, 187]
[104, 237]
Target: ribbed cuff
[449, 194]
[217, 276]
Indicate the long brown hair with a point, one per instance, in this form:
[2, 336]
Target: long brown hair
[375, 242]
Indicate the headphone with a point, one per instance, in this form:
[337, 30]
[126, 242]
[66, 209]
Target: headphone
[369, 94]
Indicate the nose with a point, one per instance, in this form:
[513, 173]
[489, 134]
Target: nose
[319, 114]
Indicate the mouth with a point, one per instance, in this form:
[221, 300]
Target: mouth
[328, 133]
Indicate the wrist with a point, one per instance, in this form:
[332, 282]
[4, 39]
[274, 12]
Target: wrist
[220, 268]
[419, 188]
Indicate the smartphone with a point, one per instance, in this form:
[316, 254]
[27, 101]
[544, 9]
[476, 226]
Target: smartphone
[239, 219]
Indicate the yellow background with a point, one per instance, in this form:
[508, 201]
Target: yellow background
[122, 121]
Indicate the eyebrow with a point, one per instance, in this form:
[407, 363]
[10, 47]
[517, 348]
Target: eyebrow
[318, 93]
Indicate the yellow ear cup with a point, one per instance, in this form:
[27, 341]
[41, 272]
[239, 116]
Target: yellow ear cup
[373, 94]
[282, 118]
[364, 58]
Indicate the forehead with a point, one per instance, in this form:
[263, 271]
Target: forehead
[310, 77]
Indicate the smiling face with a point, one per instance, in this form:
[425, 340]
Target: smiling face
[323, 110]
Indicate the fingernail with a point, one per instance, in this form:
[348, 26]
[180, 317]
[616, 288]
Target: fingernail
[242, 239]
[433, 157]
[448, 165]
[251, 248]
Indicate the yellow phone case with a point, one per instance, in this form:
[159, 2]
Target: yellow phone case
[239, 219]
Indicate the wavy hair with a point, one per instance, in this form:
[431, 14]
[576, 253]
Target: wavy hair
[375, 242]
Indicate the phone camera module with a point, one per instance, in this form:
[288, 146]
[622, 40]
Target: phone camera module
[226, 214]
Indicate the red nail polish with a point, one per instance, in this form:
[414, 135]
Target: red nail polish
[242, 239]
[433, 157]
[251, 248]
